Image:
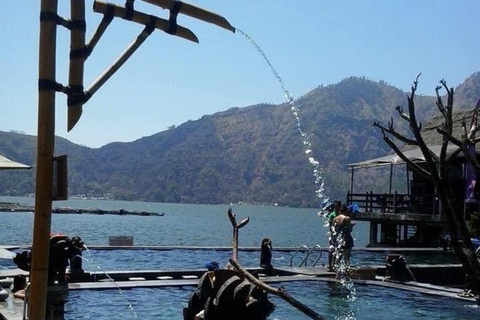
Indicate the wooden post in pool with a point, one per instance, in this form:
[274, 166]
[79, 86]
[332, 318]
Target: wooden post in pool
[45, 150]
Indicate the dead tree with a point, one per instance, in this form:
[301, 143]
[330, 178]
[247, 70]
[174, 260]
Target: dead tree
[436, 169]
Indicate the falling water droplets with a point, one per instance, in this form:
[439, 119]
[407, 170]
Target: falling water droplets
[130, 306]
[317, 170]
[342, 267]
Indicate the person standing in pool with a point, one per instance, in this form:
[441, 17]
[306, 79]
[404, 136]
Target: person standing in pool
[343, 226]
[337, 205]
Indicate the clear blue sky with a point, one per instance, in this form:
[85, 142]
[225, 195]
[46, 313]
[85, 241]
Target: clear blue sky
[169, 80]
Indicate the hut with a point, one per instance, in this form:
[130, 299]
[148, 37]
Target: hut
[414, 218]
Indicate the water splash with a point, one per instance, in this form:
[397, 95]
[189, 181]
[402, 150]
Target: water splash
[130, 306]
[317, 169]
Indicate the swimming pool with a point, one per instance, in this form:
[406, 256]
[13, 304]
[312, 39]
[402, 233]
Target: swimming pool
[328, 299]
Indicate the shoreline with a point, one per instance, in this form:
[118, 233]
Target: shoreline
[16, 207]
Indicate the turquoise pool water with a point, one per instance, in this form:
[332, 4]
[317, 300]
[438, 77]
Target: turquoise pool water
[328, 299]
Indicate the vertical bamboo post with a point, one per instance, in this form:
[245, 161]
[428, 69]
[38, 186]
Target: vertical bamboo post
[45, 151]
[77, 61]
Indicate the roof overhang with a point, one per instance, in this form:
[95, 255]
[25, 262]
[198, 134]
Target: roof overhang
[7, 164]
[414, 155]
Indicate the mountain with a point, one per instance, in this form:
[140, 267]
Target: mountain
[253, 154]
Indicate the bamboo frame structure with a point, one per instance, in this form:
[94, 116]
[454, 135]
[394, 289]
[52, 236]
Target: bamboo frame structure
[77, 97]
[193, 11]
[142, 18]
[127, 53]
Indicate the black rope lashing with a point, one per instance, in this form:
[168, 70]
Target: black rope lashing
[50, 16]
[81, 52]
[129, 12]
[53, 17]
[48, 85]
[109, 13]
[151, 24]
[77, 24]
[172, 20]
[76, 95]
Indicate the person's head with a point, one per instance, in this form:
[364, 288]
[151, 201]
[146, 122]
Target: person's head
[337, 205]
[344, 210]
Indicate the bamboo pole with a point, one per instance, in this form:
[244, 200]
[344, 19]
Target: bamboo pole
[142, 18]
[102, 27]
[77, 63]
[44, 174]
[127, 53]
[195, 12]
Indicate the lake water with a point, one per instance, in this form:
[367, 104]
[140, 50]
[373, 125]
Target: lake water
[208, 225]
[182, 224]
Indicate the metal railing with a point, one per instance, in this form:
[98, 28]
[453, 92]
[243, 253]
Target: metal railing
[395, 202]
[302, 248]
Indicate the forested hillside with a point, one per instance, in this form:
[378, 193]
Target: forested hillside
[253, 154]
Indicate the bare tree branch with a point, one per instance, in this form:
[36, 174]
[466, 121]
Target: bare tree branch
[449, 94]
[439, 102]
[402, 156]
[402, 114]
[395, 134]
[429, 158]
[451, 138]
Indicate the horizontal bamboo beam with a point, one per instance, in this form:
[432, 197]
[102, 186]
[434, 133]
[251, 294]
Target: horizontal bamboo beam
[195, 12]
[145, 19]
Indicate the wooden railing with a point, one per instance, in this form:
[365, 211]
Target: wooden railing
[395, 202]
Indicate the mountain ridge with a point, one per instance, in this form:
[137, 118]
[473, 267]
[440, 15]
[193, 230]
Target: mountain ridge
[253, 154]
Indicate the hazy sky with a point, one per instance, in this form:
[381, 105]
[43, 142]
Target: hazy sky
[170, 80]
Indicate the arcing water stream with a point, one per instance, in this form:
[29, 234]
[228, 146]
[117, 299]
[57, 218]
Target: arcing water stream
[341, 265]
[317, 169]
[129, 304]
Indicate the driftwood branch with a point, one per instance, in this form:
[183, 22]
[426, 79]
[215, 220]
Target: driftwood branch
[236, 226]
[279, 292]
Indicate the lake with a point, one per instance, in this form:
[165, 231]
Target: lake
[182, 224]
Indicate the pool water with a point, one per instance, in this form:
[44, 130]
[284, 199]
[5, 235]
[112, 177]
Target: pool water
[194, 259]
[328, 299]
[179, 259]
